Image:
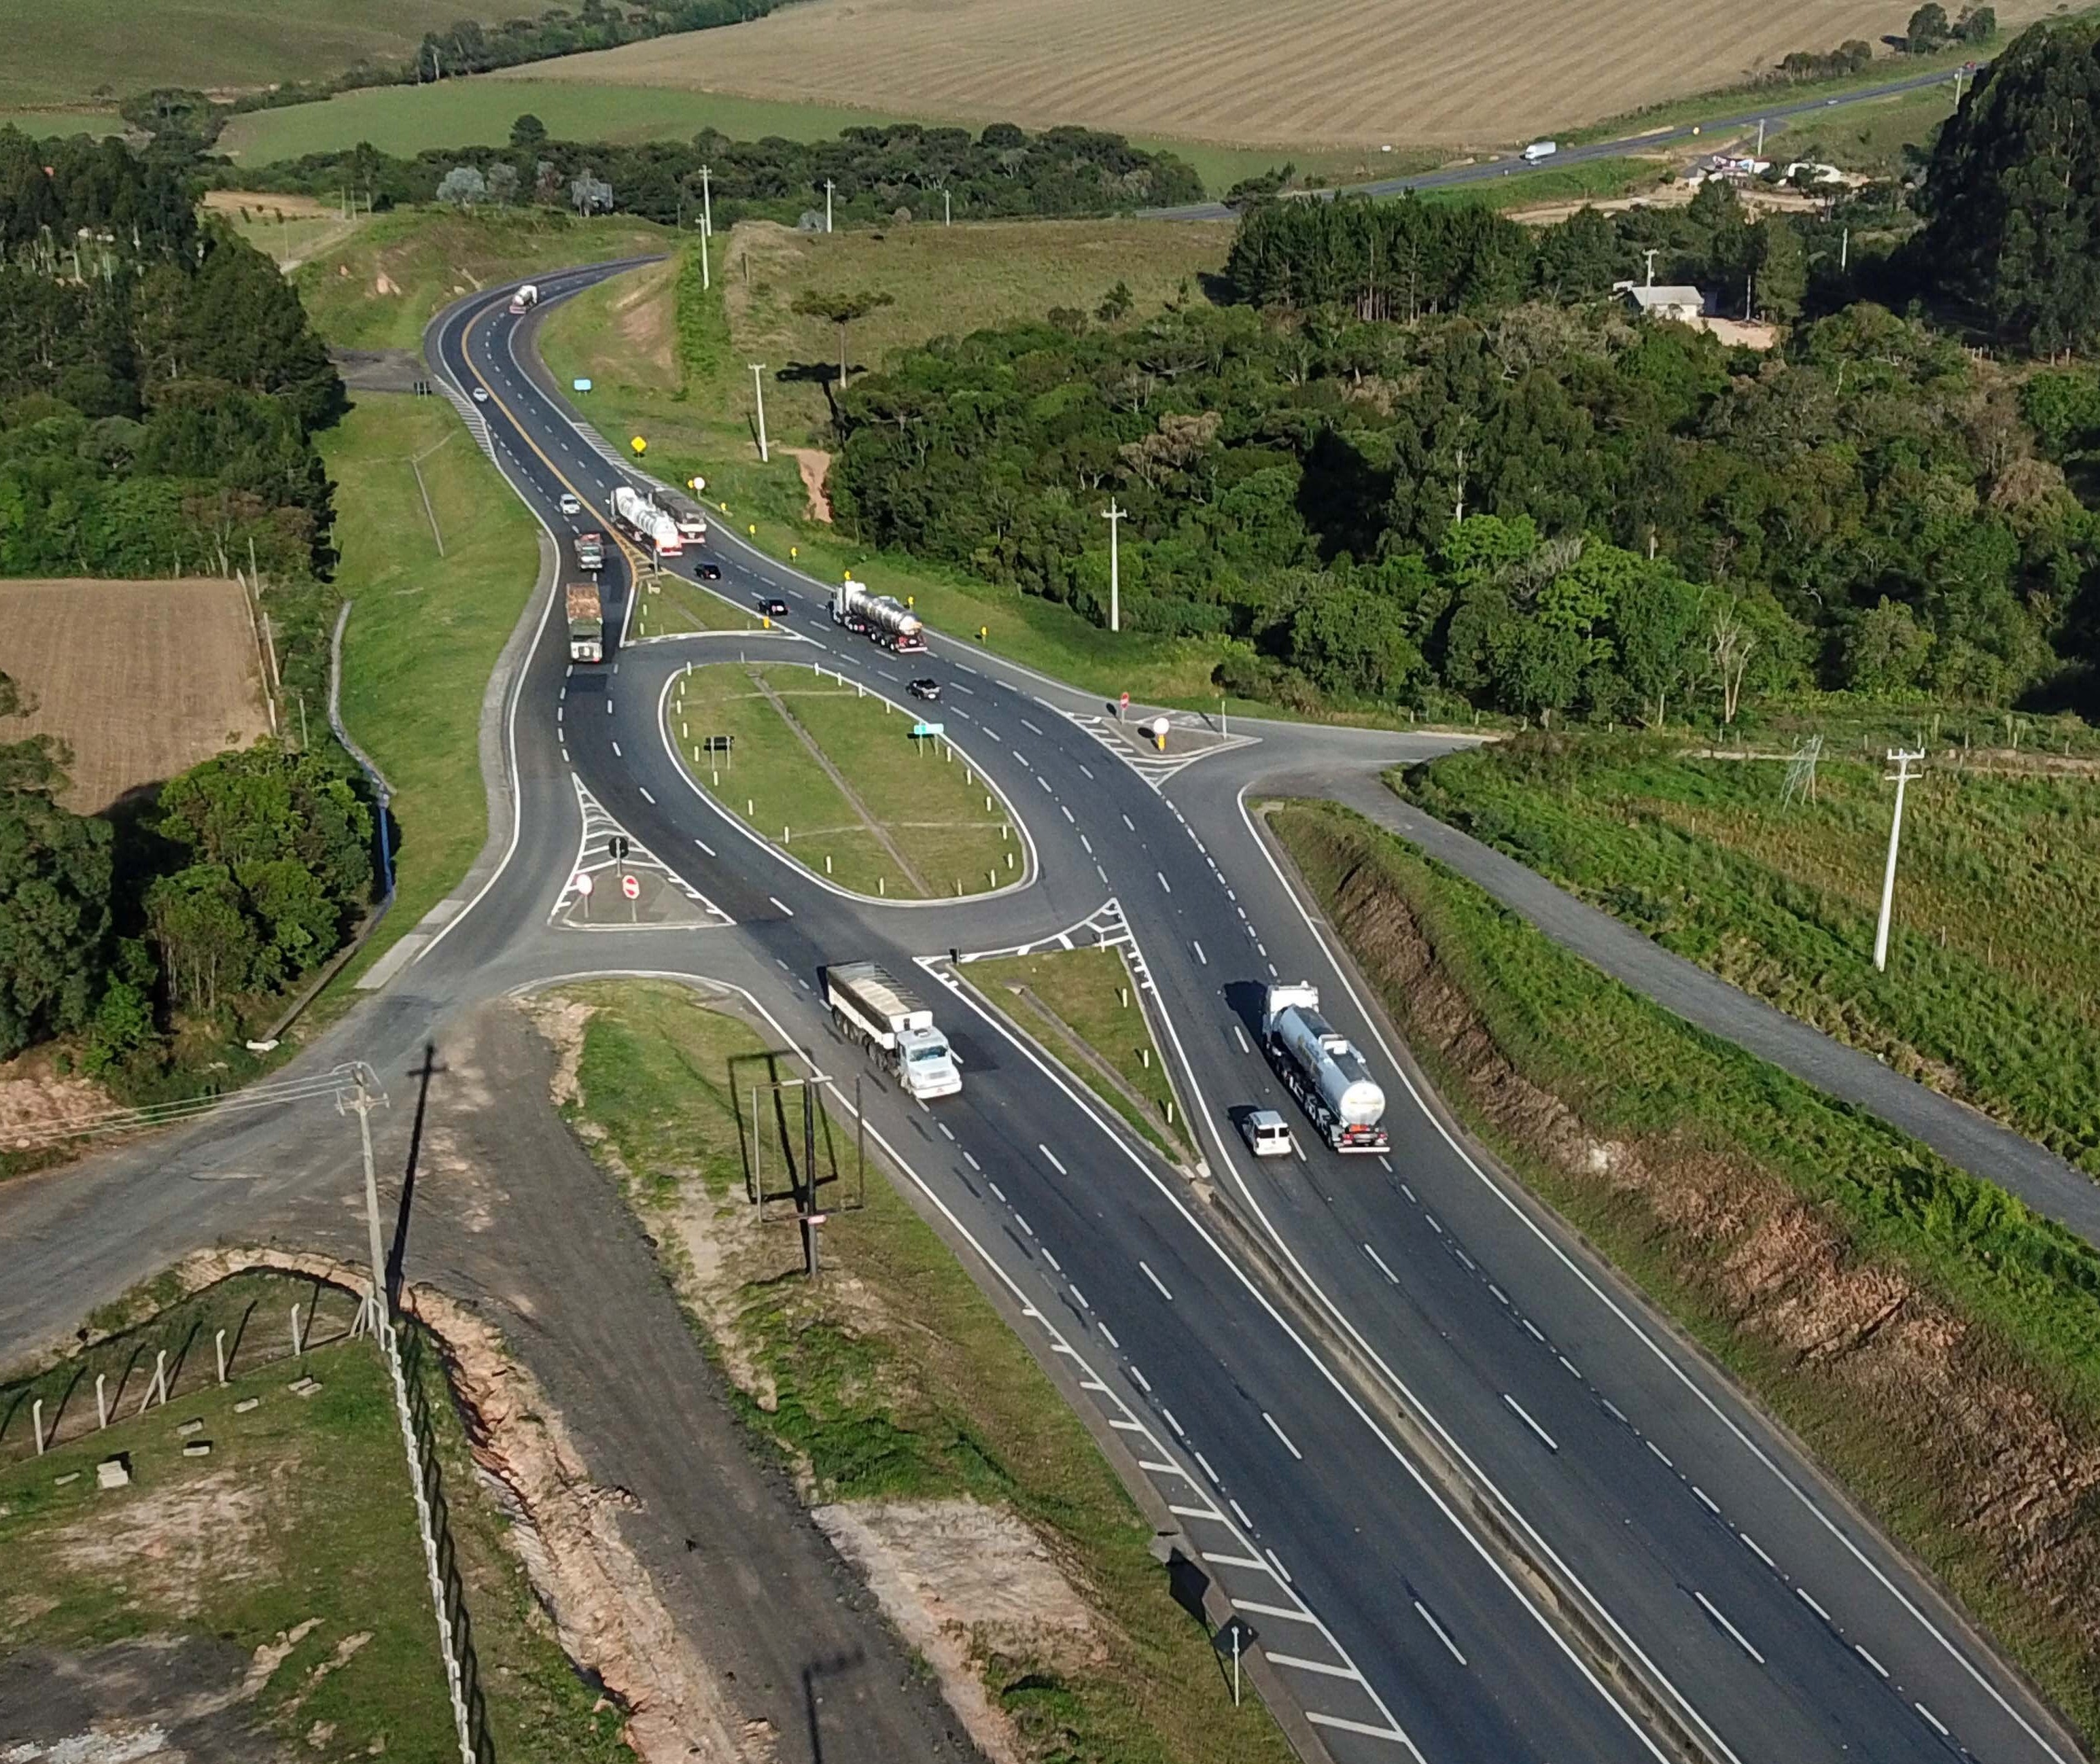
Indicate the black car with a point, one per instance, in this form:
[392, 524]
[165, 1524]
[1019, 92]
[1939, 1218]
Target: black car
[709, 572]
[928, 689]
[775, 608]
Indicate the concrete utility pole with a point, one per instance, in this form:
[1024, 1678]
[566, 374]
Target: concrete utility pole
[1652, 253]
[758, 386]
[706, 275]
[707, 201]
[827, 205]
[947, 210]
[1115, 518]
[1845, 250]
[1760, 137]
[1903, 760]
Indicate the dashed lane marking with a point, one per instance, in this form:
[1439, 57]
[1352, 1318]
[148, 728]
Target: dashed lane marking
[1287, 1445]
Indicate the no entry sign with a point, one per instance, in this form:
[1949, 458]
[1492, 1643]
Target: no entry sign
[631, 887]
[583, 882]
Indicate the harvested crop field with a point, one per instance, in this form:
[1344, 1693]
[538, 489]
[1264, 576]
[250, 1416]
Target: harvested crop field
[143, 679]
[1343, 74]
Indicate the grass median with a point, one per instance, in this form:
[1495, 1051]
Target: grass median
[892, 1383]
[676, 607]
[1084, 1006]
[834, 779]
[1937, 1345]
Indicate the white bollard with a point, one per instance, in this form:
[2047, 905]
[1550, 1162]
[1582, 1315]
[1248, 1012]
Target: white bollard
[101, 1401]
[828, 863]
[298, 1341]
[219, 1346]
[37, 1420]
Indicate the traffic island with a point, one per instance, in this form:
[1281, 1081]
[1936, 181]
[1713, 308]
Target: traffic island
[859, 791]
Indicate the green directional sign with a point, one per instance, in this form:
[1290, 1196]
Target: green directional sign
[920, 731]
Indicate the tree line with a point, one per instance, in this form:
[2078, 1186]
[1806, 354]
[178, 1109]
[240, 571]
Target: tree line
[878, 174]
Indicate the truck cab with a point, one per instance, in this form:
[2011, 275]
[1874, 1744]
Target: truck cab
[927, 1064]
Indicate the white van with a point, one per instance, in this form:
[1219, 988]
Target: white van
[1539, 150]
[1267, 1133]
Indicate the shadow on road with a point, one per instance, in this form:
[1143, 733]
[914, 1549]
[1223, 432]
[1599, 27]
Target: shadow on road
[398, 1254]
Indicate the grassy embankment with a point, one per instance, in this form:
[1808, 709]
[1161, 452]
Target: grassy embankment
[1934, 1343]
[893, 816]
[894, 1379]
[1082, 1005]
[427, 629]
[1992, 989]
[298, 1527]
[669, 363]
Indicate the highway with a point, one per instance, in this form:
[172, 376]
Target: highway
[1438, 1364]
[1647, 140]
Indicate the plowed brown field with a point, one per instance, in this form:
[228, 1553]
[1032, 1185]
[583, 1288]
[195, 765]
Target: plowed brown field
[1336, 73]
[143, 679]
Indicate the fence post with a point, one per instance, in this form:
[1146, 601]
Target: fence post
[219, 1347]
[160, 1381]
[298, 1345]
[37, 1420]
[101, 1401]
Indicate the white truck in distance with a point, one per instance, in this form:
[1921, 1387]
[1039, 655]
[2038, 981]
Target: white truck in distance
[874, 1010]
[1539, 150]
[525, 299]
[692, 524]
[1322, 1070]
[889, 623]
[644, 522]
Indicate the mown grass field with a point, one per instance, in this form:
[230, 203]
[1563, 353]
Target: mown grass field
[1091, 998]
[91, 52]
[894, 1379]
[1346, 75]
[1936, 1345]
[678, 607]
[1992, 990]
[425, 629]
[916, 826]
[297, 1530]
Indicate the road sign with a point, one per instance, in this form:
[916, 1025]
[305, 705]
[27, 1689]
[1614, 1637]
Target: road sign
[583, 883]
[631, 887]
[580, 385]
[921, 730]
[718, 743]
[616, 846]
[696, 485]
[640, 446]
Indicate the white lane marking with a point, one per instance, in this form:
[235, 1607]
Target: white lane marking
[1087, 843]
[1501, 1297]
[705, 847]
[948, 1131]
[1802, 1593]
[1022, 1222]
[1205, 1463]
[1742, 1641]
[1272, 971]
[1156, 1281]
[1470, 1265]
[1043, 782]
[1387, 1162]
[1325, 1669]
[1276, 1562]
[1225, 1561]
[1531, 1328]
[1084, 769]
[972, 1162]
[615, 750]
[1572, 1370]
[1030, 726]
[1055, 1266]
[1199, 949]
[1283, 1435]
[1129, 824]
[1516, 1409]
[1706, 1500]
[1045, 1151]
[1101, 872]
[1382, 1268]
[1141, 1381]
[1080, 1296]
[608, 705]
[783, 904]
[1066, 813]
[1164, 882]
[1364, 1728]
[1937, 1725]
[1115, 1345]
[645, 796]
[1661, 1454]
[1241, 1511]
[1242, 1039]
[993, 1186]
[1756, 1550]
[1437, 1629]
[1284, 1612]
[1172, 1422]
[1870, 1660]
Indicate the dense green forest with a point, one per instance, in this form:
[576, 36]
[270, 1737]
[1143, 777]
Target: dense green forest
[1001, 172]
[159, 391]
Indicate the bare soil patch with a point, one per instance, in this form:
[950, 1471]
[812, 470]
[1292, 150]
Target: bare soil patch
[269, 205]
[815, 464]
[142, 680]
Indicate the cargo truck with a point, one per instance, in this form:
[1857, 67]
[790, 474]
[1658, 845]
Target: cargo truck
[525, 299]
[1322, 1070]
[692, 525]
[590, 552]
[646, 523]
[1540, 150]
[890, 624]
[586, 624]
[876, 1012]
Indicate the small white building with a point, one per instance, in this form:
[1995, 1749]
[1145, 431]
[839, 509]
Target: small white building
[1681, 303]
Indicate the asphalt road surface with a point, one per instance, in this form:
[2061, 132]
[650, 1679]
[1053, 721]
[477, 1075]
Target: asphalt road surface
[1770, 1620]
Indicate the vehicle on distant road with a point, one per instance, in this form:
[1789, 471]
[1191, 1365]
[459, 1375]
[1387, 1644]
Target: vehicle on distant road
[481, 395]
[775, 608]
[895, 627]
[645, 522]
[1267, 1133]
[709, 572]
[525, 299]
[570, 505]
[586, 623]
[1322, 1070]
[1539, 150]
[590, 550]
[927, 689]
[874, 1010]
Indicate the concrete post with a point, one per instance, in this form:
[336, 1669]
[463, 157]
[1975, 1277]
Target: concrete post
[299, 1343]
[37, 1420]
[101, 1401]
[219, 1347]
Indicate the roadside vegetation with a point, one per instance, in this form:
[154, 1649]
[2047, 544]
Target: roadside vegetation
[836, 781]
[284, 1563]
[1993, 988]
[893, 1380]
[1084, 1006]
[1935, 1344]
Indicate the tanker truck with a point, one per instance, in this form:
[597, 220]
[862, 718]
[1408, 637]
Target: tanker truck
[874, 1010]
[644, 522]
[525, 299]
[586, 623]
[889, 623]
[1322, 1070]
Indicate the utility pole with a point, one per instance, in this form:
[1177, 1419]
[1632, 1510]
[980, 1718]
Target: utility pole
[947, 209]
[1760, 137]
[827, 205]
[706, 275]
[1903, 760]
[1114, 517]
[1652, 253]
[1844, 250]
[758, 386]
[364, 1099]
[707, 201]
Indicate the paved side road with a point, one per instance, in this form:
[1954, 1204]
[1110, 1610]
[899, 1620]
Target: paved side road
[1958, 1133]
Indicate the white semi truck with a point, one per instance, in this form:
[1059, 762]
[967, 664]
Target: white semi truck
[876, 1010]
[525, 299]
[644, 522]
[1322, 1070]
[892, 624]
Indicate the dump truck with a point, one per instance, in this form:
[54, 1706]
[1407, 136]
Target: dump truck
[525, 299]
[590, 552]
[876, 1012]
[1322, 1070]
[586, 623]
[646, 523]
[892, 624]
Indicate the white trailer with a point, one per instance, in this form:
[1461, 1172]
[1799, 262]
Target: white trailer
[875, 1010]
[891, 624]
[644, 522]
[1322, 1070]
